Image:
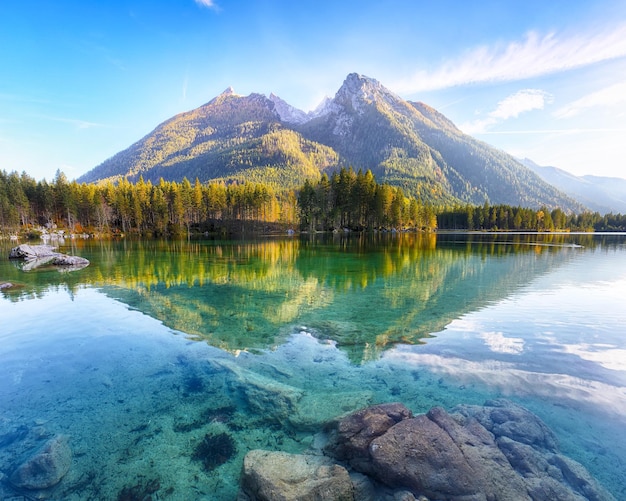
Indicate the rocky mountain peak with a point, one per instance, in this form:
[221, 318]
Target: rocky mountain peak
[355, 82]
[288, 113]
[359, 91]
[228, 93]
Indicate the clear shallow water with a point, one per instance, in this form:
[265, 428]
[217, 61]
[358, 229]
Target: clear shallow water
[157, 344]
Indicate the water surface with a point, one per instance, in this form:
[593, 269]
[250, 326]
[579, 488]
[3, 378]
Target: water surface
[157, 345]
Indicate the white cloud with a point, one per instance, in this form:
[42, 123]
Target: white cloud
[510, 107]
[609, 96]
[533, 56]
[520, 102]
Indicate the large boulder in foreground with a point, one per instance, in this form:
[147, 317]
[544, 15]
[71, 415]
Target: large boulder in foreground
[350, 437]
[279, 476]
[46, 467]
[499, 451]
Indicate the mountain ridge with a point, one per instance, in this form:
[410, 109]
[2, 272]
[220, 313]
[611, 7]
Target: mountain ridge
[235, 138]
[599, 193]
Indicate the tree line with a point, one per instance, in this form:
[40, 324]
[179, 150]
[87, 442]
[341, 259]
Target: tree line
[346, 199]
[506, 218]
[165, 208]
[354, 200]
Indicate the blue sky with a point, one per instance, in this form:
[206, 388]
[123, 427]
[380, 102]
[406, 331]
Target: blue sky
[82, 80]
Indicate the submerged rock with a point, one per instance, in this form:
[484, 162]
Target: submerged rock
[280, 476]
[350, 437]
[46, 467]
[503, 418]
[289, 405]
[274, 400]
[40, 255]
[499, 451]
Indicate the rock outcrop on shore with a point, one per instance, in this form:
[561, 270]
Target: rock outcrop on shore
[496, 452]
[35, 256]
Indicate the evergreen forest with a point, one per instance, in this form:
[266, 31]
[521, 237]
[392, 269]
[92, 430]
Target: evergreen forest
[345, 200]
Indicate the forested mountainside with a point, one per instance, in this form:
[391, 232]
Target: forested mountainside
[365, 126]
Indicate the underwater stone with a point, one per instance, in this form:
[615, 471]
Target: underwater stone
[279, 476]
[46, 467]
[315, 409]
[419, 455]
[504, 418]
[274, 400]
[457, 458]
[350, 436]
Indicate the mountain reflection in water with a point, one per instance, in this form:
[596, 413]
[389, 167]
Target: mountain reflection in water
[366, 292]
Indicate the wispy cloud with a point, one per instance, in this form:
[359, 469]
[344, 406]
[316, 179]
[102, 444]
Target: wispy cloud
[207, 3]
[185, 85]
[609, 96]
[574, 130]
[510, 107]
[533, 56]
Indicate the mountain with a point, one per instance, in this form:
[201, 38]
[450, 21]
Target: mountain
[366, 126]
[231, 137]
[601, 194]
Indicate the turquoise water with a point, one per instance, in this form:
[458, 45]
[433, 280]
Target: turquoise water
[157, 345]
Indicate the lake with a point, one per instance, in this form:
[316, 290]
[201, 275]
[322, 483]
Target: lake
[159, 344]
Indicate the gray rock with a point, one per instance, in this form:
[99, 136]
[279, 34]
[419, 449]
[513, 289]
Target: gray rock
[496, 478]
[274, 400]
[499, 452]
[363, 487]
[46, 467]
[418, 455]
[65, 260]
[40, 255]
[315, 409]
[25, 251]
[279, 476]
[579, 479]
[504, 418]
[350, 437]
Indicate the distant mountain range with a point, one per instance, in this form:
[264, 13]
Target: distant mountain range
[237, 138]
[601, 194]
